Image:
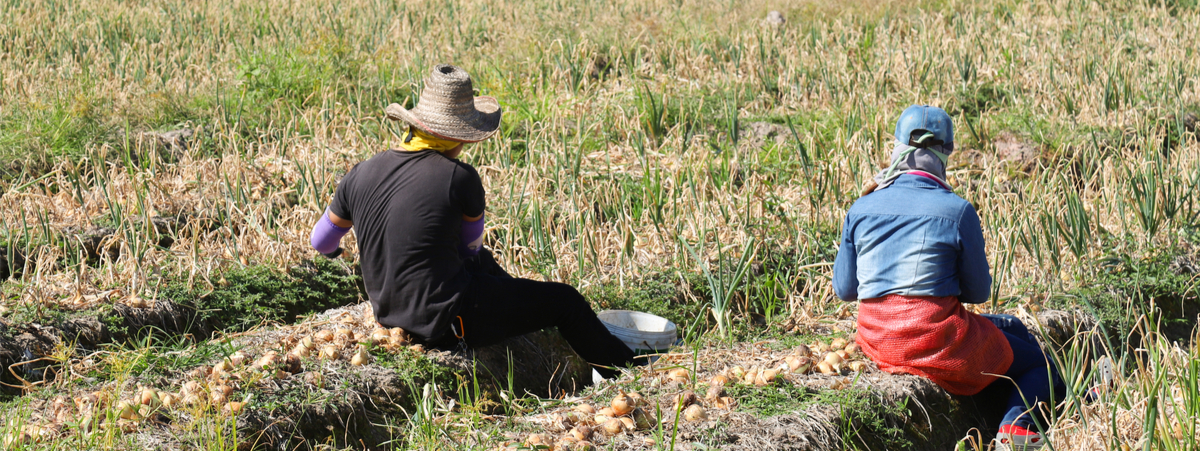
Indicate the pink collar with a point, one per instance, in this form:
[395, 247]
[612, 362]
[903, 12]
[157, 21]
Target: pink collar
[930, 177]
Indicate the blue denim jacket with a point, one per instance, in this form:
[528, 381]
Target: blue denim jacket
[913, 238]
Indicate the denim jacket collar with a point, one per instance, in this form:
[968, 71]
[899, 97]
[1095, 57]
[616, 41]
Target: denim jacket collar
[916, 181]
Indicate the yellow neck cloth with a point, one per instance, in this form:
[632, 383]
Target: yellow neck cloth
[416, 139]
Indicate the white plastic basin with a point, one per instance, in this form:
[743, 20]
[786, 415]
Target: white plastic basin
[642, 332]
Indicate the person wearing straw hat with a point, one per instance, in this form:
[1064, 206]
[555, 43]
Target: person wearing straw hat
[418, 215]
[912, 252]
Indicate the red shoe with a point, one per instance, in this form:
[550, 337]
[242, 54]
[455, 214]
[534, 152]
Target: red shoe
[1017, 438]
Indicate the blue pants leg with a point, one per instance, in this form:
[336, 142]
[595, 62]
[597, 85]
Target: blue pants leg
[1035, 375]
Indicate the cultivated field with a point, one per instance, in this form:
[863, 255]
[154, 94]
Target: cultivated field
[162, 163]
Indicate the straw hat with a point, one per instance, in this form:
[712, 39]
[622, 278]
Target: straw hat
[449, 109]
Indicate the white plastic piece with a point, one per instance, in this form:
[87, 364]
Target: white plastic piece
[642, 332]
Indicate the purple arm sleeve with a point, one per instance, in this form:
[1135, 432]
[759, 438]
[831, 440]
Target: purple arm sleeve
[471, 238]
[326, 235]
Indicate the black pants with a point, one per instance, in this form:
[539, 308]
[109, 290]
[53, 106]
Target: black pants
[498, 306]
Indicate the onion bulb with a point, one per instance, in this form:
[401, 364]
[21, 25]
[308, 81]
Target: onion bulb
[679, 375]
[581, 432]
[362, 357]
[536, 439]
[234, 407]
[825, 368]
[685, 399]
[719, 380]
[330, 352]
[323, 336]
[695, 413]
[628, 423]
[767, 377]
[714, 392]
[802, 351]
[612, 427]
[237, 358]
[834, 359]
[585, 408]
[838, 343]
[858, 366]
[853, 348]
[622, 404]
[737, 372]
[724, 403]
[126, 411]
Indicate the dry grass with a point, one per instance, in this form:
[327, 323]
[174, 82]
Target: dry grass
[626, 131]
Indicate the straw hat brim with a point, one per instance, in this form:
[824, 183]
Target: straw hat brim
[479, 128]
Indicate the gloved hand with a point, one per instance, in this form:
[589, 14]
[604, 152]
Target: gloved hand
[335, 254]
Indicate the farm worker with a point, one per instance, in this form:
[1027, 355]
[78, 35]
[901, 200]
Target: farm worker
[418, 214]
[912, 252]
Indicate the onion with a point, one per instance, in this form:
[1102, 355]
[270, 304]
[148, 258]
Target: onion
[628, 423]
[825, 368]
[301, 351]
[224, 367]
[362, 357]
[802, 351]
[379, 336]
[714, 392]
[330, 352]
[622, 404]
[842, 352]
[822, 348]
[396, 332]
[719, 380]
[612, 427]
[581, 433]
[637, 399]
[536, 439]
[169, 400]
[834, 359]
[737, 372]
[585, 408]
[237, 358]
[679, 375]
[838, 343]
[767, 377]
[323, 336]
[234, 407]
[126, 411]
[267, 361]
[724, 403]
[190, 387]
[751, 376]
[858, 366]
[607, 411]
[695, 413]
[292, 364]
[192, 399]
[419, 349]
[148, 396]
[685, 399]
[600, 419]
[853, 348]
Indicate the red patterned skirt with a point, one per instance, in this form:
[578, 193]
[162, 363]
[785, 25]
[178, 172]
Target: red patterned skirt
[933, 337]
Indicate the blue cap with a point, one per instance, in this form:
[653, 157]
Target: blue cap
[928, 121]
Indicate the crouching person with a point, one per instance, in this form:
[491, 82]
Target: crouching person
[418, 215]
[912, 252]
